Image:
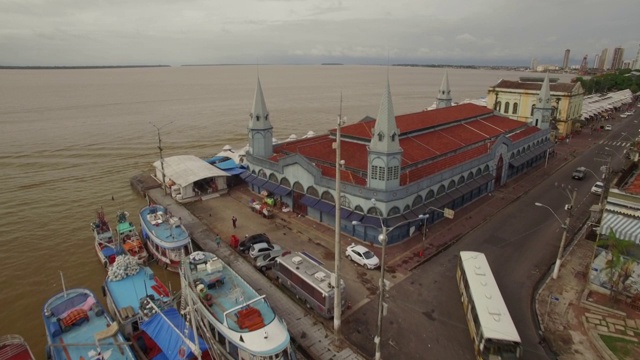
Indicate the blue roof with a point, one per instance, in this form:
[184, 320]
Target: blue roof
[129, 291]
[166, 337]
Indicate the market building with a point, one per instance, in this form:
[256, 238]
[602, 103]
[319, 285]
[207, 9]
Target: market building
[518, 100]
[413, 166]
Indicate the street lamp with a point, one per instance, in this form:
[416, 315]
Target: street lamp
[383, 238]
[565, 226]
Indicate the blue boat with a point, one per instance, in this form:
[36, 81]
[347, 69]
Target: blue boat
[239, 319]
[105, 244]
[130, 289]
[77, 326]
[167, 240]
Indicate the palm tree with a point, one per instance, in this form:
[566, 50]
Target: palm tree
[619, 267]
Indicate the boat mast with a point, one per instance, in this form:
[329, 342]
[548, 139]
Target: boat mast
[164, 183]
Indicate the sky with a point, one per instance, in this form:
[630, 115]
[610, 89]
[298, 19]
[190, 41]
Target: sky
[179, 32]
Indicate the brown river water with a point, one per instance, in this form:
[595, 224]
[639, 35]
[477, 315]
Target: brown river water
[71, 139]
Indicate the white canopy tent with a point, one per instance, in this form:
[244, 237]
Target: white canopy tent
[180, 172]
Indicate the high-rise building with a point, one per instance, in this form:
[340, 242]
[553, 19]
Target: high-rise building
[602, 63]
[534, 64]
[596, 61]
[618, 57]
[636, 62]
[565, 62]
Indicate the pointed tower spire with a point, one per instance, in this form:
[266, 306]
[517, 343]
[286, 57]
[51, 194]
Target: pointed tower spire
[385, 153]
[444, 94]
[543, 110]
[385, 132]
[260, 129]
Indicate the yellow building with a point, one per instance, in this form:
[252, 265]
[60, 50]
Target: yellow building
[518, 99]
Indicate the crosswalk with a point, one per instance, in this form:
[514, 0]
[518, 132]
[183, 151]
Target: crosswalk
[616, 143]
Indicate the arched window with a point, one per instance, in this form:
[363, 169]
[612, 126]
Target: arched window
[515, 108]
[451, 186]
[478, 172]
[430, 195]
[460, 180]
[417, 201]
[312, 191]
[485, 170]
[470, 176]
[533, 107]
[298, 187]
[506, 107]
[358, 209]
[374, 211]
[497, 106]
[528, 147]
[328, 197]
[406, 208]
[273, 178]
[345, 202]
[262, 174]
[394, 211]
[285, 182]
[441, 190]
[512, 156]
[518, 152]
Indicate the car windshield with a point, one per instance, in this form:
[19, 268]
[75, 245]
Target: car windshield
[368, 255]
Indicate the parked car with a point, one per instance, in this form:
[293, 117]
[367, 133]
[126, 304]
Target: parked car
[579, 173]
[246, 244]
[262, 248]
[266, 261]
[607, 127]
[363, 256]
[597, 188]
[624, 115]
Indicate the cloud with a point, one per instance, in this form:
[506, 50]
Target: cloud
[80, 32]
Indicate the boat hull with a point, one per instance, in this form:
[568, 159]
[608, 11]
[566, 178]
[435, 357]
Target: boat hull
[167, 241]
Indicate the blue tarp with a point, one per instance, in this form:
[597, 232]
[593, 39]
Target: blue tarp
[234, 171]
[166, 337]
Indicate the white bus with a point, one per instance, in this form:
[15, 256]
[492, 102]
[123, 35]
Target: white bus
[492, 330]
[309, 281]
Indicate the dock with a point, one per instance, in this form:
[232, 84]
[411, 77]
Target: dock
[315, 339]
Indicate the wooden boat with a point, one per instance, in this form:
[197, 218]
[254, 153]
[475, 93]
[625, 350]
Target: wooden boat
[167, 240]
[78, 327]
[129, 239]
[14, 347]
[105, 244]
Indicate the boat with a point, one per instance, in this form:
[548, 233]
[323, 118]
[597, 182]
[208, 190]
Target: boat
[78, 327]
[240, 320]
[134, 296]
[128, 289]
[129, 239]
[167, 240]
[105, 243]
[14, 347]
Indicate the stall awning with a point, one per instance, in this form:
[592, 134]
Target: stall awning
[269, 186]
[625, 227]
[235, 171]
[281, 190]
[483, 179]
[309, 200]
[245, 175]
[355, 216]
[344, 213]
[395, 220]
[258, 181]
[249, 178]
[371, 220]
[440, 201]
[323, 206]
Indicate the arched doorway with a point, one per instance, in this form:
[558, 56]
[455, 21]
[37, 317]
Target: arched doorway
[499, 171]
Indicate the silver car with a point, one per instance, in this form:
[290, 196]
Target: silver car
[266, 261]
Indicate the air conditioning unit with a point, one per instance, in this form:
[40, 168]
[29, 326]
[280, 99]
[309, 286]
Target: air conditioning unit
[297, 260]
[320, 276]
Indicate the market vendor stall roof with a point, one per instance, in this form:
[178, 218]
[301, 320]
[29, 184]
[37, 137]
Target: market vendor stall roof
[186, 169]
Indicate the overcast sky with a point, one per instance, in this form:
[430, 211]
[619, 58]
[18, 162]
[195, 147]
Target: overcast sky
[175, 32]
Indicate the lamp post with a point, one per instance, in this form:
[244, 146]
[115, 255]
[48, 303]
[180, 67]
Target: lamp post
[337, 301]
[565, 226]
[383, 238]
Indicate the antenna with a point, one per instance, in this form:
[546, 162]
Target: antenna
[64, 289]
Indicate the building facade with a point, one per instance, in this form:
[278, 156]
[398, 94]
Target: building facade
[565, 61]
[518, 100]
[602, 65]
[413, 166]
[618, 58]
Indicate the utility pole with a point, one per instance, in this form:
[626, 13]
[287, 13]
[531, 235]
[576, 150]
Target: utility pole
[337, 304]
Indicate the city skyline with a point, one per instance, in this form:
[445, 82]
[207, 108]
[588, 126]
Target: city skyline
[180, 32]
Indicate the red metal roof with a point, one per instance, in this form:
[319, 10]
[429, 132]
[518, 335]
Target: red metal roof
[463, 130]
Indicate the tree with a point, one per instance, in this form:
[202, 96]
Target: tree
[619, 267]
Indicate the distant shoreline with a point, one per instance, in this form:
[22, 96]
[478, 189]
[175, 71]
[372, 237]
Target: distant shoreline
[78, 67]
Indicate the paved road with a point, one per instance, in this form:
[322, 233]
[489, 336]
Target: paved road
[425, 317]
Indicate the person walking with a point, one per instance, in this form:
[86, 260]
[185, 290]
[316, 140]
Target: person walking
[233, 221]
[218, 240]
